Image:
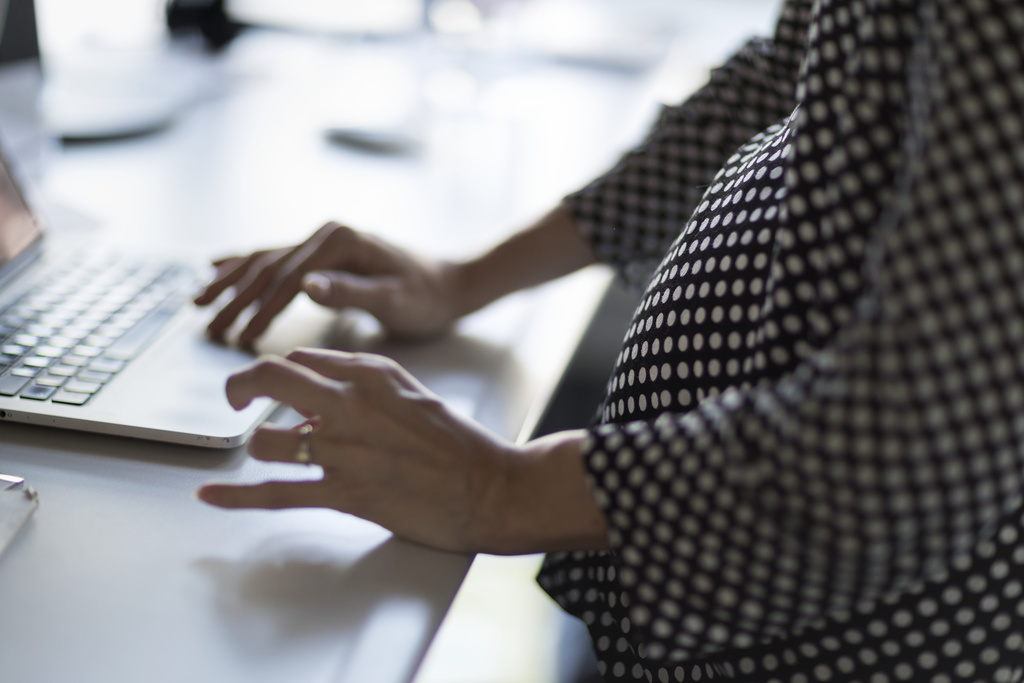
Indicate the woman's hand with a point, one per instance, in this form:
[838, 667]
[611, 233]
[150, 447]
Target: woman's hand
[340, 268]
[393, 453]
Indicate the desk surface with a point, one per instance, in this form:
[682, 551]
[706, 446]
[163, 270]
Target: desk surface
[121, 576]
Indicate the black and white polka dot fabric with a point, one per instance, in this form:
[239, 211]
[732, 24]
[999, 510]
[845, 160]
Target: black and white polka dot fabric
[812, 446]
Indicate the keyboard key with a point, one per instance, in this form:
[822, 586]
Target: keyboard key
[22, 371]
[99, 341]
[72, 359]
[70, 398]
[49, 351]
[40, 330]
[37, 362]
[136, 338]
[25, 340]
[129, 316]
[93, 376]
[63, 370]
[77, 332]
[88, 351]
[13, 350]
[91, 319]
[80, 387]
[49, 380]
[107, 365]
[120, 322]
[62, 342]
[57, 320]
[12, 384]
[70, 309]
[108, 330]
[38, 392]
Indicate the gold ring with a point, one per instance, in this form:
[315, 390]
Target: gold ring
[304, 456]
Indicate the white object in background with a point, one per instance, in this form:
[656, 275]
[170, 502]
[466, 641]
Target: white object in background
[594, 34]
[107, 92]
[332, 16]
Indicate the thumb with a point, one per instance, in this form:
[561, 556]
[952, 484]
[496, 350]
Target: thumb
[341, 290]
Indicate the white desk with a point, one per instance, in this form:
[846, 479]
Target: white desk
[121, 576]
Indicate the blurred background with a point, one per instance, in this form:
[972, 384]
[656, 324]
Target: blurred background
[459, 81]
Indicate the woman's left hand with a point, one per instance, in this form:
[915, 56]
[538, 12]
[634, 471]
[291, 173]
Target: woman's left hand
[391, 451]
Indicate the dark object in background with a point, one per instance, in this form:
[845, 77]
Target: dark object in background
[208, 17]
[19, 40]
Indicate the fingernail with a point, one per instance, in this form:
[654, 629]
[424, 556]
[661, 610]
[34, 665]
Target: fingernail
[316, 284]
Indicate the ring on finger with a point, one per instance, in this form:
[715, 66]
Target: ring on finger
[304, 456]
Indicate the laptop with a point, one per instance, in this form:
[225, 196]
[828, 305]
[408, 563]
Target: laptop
[101, 342]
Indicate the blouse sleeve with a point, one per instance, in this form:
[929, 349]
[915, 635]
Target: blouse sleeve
[893, 447]
[632, 213]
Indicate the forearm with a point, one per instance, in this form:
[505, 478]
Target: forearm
[548, 249]
[540, 502]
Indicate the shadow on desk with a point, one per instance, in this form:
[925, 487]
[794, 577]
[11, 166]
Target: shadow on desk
[295, 586]
[296, 590]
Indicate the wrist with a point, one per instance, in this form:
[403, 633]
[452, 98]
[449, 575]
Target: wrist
[539, 501]
[466, 287]
[550, 248]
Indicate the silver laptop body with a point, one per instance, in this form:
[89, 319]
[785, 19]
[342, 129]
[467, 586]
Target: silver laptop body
[146, 372]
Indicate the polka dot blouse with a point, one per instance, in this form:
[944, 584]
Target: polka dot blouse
[811, 450]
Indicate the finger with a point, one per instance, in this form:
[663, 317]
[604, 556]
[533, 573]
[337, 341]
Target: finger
[229, 271]
[279, 444]
[273, 495]
[286, 283]
[364, 369]
[256, 279]
[284, 381]
[338, 289]
[275, 444]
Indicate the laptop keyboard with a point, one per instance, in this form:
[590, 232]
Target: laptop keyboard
[69, 336]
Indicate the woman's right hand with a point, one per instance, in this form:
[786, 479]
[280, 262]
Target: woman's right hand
[337, 267]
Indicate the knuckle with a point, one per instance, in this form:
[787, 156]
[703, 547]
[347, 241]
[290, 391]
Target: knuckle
[349, 399]
[378, 374]
[363, 367]
[427, 404]
[266, 369]
[379, 364]
[299, 355]
[324, 231]
[265, 262]
[338, 235]
[393, 296]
